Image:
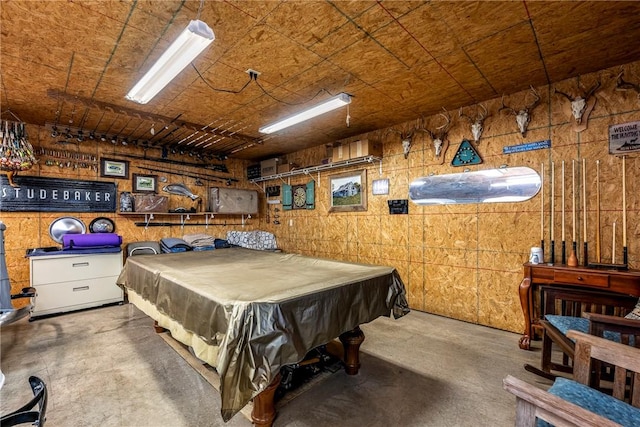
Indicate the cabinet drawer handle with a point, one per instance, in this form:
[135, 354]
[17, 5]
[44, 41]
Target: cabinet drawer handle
[80, 264]
[579, 277]
[81, 288]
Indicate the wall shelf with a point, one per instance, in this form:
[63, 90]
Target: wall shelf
[184, 217]
[164, 213]
[320, 168]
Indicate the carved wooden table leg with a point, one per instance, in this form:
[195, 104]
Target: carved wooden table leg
[264, 410]
[351, 341]
[524, 291]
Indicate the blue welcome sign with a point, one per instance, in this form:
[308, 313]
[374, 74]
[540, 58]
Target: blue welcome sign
[529, 146]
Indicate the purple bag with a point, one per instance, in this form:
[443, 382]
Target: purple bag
[93, 240]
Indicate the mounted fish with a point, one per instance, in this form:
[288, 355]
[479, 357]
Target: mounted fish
[180, 190]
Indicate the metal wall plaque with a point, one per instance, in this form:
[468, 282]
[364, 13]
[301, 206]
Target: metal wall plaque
[487, 186]
[37, 194]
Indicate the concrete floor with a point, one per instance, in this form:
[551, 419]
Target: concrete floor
[107, 367]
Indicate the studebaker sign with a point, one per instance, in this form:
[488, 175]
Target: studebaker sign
[36, 194]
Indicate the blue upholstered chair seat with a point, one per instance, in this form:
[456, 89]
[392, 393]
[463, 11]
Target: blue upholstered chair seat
[565, 323]
[594, 401]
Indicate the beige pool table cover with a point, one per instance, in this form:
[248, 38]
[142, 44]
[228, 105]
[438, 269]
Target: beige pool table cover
[263, 310]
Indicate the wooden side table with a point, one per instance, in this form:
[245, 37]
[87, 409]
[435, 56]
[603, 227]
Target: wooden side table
[577, 278]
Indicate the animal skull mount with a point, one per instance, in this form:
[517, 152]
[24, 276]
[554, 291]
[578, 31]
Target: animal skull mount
[406, 146]
[407, 137]
[523, 116]
[623, 85]
[439, 136]
[476, 121]
[581, 106]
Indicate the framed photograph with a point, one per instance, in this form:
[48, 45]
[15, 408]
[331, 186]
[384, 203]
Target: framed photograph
[114, 168]
[348, 192]
[144, 183]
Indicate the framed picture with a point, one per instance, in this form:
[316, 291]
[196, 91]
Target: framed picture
[348, 192]
[114, 168]
[144, 183]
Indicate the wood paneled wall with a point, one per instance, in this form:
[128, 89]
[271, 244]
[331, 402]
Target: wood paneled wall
[459, 261]
[465, 261]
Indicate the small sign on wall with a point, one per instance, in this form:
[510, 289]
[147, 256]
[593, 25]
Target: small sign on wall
[380, 187]
[398, 207]
[529, 146]
[624, 138]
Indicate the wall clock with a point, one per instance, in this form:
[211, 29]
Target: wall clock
[299, 196]
[466, 155]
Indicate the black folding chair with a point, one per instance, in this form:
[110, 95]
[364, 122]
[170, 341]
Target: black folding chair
[27, 414]
[9, 314]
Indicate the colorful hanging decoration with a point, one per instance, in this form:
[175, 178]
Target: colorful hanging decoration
[16, 153]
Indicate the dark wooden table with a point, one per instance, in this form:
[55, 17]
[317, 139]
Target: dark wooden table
[559, 275]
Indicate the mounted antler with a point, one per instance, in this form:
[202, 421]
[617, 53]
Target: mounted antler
[476, 122]
[579, 103]
[406, 136]
[523, 116]
[622, 85]
[439, 136]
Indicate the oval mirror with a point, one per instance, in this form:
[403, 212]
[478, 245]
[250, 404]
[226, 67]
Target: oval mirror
[502, 185]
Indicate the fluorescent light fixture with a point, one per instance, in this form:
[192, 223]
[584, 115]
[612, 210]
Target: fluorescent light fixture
[330, 104]
[189, 44]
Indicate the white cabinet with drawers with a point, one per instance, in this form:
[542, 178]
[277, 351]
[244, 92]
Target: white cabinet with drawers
[73, 282]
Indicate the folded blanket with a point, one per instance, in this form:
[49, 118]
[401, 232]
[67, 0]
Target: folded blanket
[221, 243]
[82, 251]
[199, 239]
[173, 250]
[203, 248]
[174, 244]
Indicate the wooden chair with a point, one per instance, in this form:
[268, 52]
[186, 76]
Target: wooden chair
[595, 313]
[576, 402]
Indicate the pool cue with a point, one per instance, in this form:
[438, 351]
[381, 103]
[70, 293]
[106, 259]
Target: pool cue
[613, 245]
[542, 209]
[573, 260]
[564, 256]
[624, 212]
[598, 258]
[584, 212]
[553, 243]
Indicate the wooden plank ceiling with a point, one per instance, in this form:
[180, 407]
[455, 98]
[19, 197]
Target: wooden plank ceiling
[70, 64]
